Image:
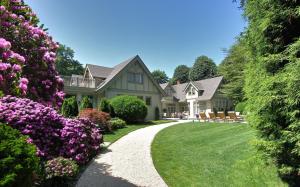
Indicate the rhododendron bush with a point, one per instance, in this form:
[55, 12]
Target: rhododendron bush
[27, 56]
[53, 134]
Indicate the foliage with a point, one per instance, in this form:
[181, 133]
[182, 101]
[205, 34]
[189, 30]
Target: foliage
[70, 107]
[181, 74]
[240, 107]
[104, 105]
[117, 123]
[160, 76]
[203, 68]
[129, 108]
[232, 70]
[27, 56]
[61, 167]
[273, 81]
[18, 161]
[53, 134]
[65, 62]
[85, 103]
[156, 113]
[101, 119]
[223, 152]
[60, 172]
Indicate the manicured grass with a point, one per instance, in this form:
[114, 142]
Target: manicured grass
[211, 155]
[129, 128]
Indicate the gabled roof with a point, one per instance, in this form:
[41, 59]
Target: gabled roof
[209, 86]
[118, 68]
[164, 85]
[99, 71]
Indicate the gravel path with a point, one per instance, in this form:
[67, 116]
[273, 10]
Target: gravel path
[127, 162]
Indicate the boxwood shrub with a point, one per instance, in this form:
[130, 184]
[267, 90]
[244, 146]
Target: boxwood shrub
[117, 123]
[18, 160]
[85, 103]
[129, 108]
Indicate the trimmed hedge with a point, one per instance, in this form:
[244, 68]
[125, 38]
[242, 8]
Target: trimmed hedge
[70, 107]
[104, 105]
[18, 160]
[117, 123]
[129, 108]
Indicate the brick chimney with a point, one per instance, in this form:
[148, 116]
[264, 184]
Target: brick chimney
[178, 82]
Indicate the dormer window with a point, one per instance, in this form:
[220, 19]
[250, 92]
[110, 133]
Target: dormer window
[200, 93]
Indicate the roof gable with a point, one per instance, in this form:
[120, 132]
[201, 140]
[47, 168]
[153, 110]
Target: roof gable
[99, 71]
[120, 67]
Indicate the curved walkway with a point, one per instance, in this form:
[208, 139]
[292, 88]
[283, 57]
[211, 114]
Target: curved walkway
[127, 162]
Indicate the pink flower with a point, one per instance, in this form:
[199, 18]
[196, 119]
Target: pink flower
[4, 44]
[16, 67]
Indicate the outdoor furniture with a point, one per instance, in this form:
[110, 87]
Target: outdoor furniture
[234, 117]
[212, 116]
[203, 116]
[221, 116]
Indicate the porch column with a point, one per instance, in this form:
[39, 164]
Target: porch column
[78, 98]
[191, 109]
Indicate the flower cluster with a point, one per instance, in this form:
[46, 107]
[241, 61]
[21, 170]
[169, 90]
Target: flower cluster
[11, 64]
[53, 134]
[61, 167]
[31, 45]
[82, 139]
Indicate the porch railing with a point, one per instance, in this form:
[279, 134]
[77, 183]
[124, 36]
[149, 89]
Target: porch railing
[78, 82]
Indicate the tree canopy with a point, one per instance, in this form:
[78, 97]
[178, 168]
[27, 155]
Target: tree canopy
[65, 62]
[232, 69]
[181, 74]
[273, 80]
[160, 76]
[203, 68]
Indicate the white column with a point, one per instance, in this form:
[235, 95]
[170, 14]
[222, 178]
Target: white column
[191, 108]
[78, 98]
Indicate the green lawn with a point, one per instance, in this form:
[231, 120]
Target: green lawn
[129, 128]
[202, 154]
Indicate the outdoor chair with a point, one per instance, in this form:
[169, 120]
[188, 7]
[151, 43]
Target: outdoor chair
[203, 116]
[221, 116]
[212, 116]
[234, 117]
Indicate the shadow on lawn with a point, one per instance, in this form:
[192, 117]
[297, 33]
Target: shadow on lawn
[99, 174]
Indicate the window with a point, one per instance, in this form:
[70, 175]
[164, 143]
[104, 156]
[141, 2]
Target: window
[135, 77]
[148, 101]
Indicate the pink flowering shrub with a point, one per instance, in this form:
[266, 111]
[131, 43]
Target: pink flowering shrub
[53, 134]
[61, 167]
[27, 51]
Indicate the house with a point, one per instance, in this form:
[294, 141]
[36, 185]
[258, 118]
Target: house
[130, 77]
[194, 97]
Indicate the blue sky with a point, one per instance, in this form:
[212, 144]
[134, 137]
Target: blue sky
[165, 33]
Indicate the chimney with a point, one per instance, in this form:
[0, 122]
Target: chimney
[178, 82]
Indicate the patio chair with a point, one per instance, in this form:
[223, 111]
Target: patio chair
[212, 116]
[221, 116]
[234, 117]
[203, 116]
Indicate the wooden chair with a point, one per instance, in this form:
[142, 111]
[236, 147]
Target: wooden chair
[203, 116]
[212, 116]
[221, 116]
[234, 117]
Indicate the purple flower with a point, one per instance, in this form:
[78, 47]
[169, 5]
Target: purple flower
[17, 68]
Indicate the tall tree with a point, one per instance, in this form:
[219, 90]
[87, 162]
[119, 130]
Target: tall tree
[181, 74]
[203, 68]
[65, 62]
[273, 81]
[232, 69]
[160, 76]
